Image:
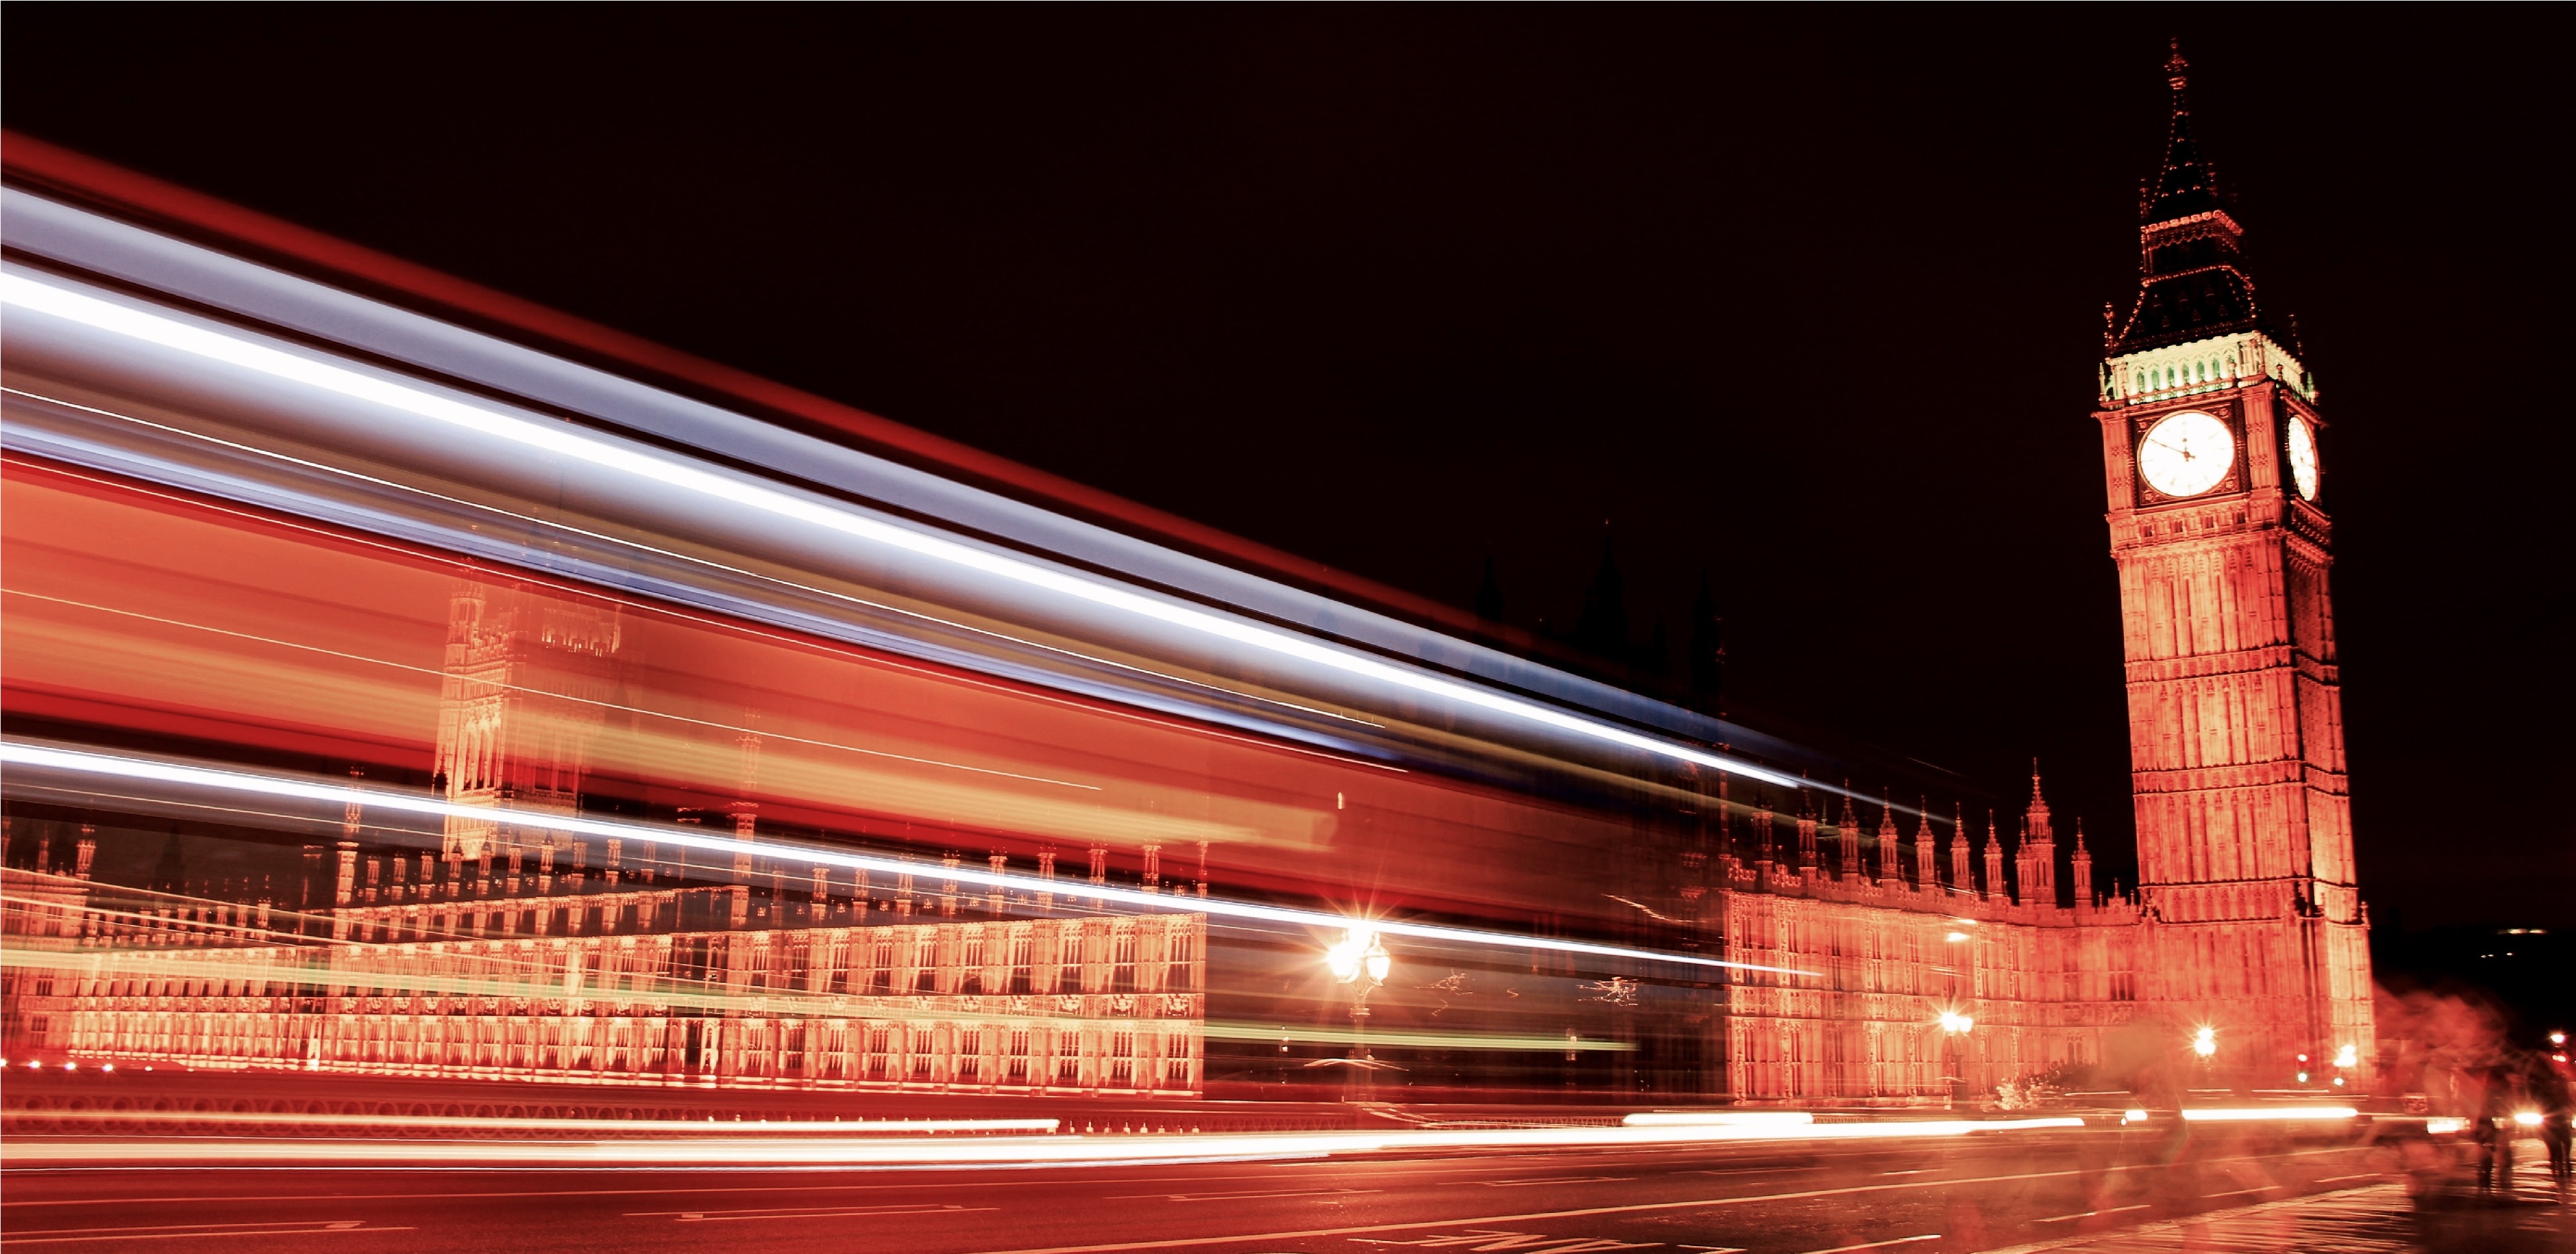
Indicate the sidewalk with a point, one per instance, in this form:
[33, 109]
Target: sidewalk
[2375, 1219]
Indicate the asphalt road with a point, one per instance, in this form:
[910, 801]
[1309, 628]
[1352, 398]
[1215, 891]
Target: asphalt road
[1958, 1195]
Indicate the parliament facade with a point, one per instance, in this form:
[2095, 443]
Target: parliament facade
[1065, 894]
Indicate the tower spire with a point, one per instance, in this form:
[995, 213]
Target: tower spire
[2192, 280]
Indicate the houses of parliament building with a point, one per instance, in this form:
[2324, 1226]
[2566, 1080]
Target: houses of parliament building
[545, 819]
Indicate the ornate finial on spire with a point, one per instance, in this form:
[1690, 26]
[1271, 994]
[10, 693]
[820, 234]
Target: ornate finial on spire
[2177, 70]
[2034, 783]
[1994, 837]
[2079, 833]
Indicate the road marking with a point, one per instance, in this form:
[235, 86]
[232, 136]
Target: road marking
[1633, 1208]
[1515, 1184]
[802, 1212]
[1877, 1245]
[192, 1232]
[2088, 1214]
[1231, 1197]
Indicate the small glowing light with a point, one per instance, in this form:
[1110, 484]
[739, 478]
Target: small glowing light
[2347, 1056]
[2557, 1038]
[32, 1064]
[1955, 937]
[2444, 1127]
[71, 1066]
[2527, 1118]
[2303, 1060]
[2205, 1042]
[2338, 1081]
[1954, 1023]
[2303, 1078]
[1359, 950]
[108, 1067]
[2133, 1116]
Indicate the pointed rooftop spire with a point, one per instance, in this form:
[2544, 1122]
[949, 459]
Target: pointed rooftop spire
[2185, 185]
[2191, 282]
[2035, 798]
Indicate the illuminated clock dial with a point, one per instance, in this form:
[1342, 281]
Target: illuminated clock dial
[2303, 458]
[2186, 454]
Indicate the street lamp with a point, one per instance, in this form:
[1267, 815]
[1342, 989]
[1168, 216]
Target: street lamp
[1953, 1026]
[1360, 960]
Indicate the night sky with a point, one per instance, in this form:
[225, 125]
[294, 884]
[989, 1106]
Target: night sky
[1808, 302]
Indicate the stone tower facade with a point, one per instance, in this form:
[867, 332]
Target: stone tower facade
[2210, 441]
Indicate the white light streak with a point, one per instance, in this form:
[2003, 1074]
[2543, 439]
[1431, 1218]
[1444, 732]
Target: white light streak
[975, 1150]
[98, 764]
[568, 442]
[2255, 1114]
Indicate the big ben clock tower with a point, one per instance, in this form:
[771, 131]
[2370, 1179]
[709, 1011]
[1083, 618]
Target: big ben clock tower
[2215, 458]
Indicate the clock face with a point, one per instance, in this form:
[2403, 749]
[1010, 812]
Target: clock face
[2186, 454]
[2303, 458]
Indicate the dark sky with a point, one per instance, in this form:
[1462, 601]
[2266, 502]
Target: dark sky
[1805, 300]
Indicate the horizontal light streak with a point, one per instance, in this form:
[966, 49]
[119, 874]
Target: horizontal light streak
[691, 1128]
[2254, 1114]
[437, 673]
[114, 767]
[739, 572]
[977, 1150]
[302, 965]
[1718, 1118]
[570, 443]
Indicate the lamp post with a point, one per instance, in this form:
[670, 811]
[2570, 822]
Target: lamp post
[1360, 960]
[1954, 1026]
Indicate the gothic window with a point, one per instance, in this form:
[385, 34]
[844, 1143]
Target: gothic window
[1068, 1057]
[1179, 975]
[1122, 1060]
[1122, 976]
[970, 976]
[970, 1055]
[925, 961]
[881, 971]
[1021, 942]
[1018, 1067]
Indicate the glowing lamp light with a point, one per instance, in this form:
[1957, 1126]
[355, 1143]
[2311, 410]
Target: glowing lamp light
[1955, 1023]
[1358, 951]
[2527, 1118]
[108, 1067]
[1955, 937]
[2205, 1042]
[2303, 1077]
[2347, 1056]
[2557, 1038]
